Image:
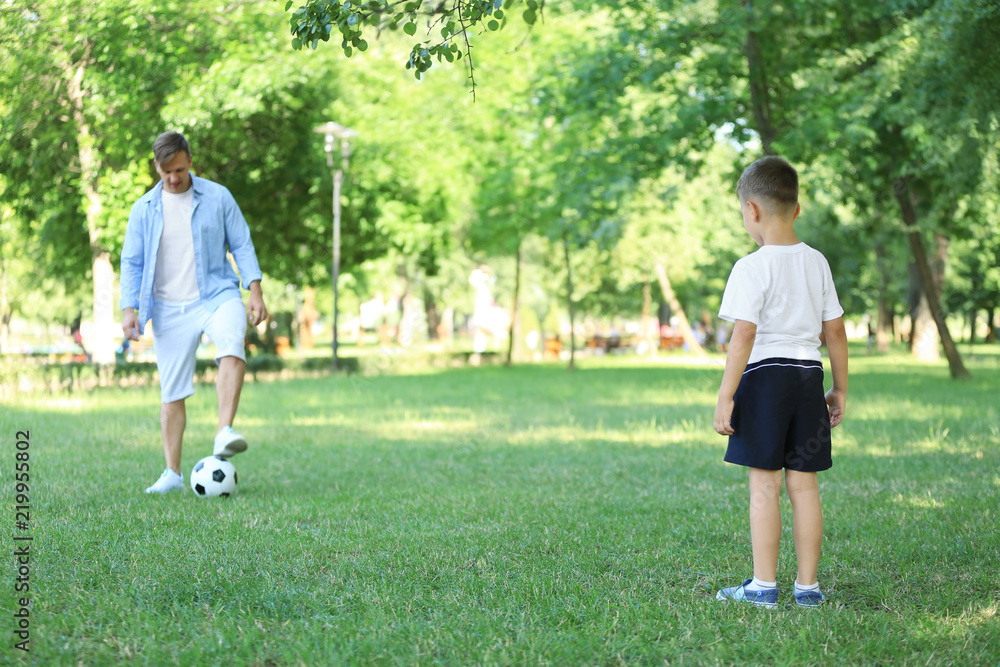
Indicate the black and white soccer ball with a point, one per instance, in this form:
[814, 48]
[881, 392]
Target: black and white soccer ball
[213, 476]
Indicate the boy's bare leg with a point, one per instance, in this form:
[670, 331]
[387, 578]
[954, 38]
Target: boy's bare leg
[173, 419]
[228, 385]
[765, 522]
[807, 523]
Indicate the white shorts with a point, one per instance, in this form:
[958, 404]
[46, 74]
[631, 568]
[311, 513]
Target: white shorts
[177, 330]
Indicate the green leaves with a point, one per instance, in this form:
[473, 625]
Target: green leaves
[314, 21]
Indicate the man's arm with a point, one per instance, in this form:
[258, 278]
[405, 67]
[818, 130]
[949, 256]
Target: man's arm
[836, 347]
[740, 346]
[255, 305]
[130, 323]
[132, 261]
[239, 243]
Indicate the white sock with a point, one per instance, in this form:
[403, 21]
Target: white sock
[758, 585]
[800, 588]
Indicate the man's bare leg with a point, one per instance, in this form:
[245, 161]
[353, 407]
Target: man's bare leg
[173, 420]
[229, 385]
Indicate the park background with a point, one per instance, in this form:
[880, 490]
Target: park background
[587, 160]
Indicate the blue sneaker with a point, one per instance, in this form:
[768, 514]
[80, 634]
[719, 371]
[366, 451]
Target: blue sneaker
[809, 598]
[765, 598]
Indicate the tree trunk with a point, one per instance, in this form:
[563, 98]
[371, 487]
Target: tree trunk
[404, 330]
[902, 193]
[647, 307]
[572, 306]
[760, 95]
[431, 313]
[973, 315]
[991, 331]
[104, 335]
[883, 330]
[4, 308]
[677, 311]
[512, 336]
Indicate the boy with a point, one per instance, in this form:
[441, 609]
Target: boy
[771, 402]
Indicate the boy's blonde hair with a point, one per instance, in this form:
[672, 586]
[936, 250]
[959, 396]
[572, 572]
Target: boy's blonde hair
[773, 180]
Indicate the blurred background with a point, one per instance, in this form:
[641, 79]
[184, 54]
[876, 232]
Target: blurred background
[572, 192]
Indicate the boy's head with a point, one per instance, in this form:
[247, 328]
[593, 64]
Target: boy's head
[772, 184]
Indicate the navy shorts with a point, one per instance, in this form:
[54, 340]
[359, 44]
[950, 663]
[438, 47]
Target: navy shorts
[780, 417]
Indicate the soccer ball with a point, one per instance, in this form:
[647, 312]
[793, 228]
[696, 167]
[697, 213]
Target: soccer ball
[213, 476]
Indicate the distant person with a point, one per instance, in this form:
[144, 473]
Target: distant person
[174, 270]
[771, 402]
[77, 334]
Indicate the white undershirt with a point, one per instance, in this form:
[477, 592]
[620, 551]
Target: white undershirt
[788, 292]
[175, 278]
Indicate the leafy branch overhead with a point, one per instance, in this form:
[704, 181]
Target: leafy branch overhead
[447, 23]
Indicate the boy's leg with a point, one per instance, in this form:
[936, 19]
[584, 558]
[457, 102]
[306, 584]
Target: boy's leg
[765, 522]
[803, 490]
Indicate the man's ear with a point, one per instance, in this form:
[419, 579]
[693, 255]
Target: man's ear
[754, 211]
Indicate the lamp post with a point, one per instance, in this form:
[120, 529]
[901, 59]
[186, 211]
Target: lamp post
[336, 133]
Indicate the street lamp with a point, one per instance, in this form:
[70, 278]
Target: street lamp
[336, 133]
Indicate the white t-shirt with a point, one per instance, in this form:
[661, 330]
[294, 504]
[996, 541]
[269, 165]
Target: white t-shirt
[788, 292]
[175, 278]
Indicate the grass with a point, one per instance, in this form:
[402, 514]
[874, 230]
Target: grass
[503, 516]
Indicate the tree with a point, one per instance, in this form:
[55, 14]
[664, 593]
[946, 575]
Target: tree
[450, 25]
[78, 101]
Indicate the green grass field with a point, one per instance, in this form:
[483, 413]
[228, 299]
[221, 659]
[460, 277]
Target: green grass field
[524, 516]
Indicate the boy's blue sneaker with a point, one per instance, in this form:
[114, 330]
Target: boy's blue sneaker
[809, 598]
[765, 598]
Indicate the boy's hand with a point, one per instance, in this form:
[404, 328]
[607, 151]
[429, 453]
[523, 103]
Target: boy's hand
[723, 415]
[837, 400]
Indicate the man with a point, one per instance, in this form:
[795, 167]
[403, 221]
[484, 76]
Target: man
[175, 270]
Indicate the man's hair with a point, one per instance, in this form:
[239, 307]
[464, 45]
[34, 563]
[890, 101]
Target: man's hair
[168, 145]
[773, 180]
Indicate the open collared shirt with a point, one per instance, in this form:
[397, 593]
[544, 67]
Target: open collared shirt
[217, 225]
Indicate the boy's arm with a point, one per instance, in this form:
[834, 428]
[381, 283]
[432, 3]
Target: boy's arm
[740, 346]
[836, 347]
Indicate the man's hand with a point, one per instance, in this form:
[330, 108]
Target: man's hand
[256, 311]
[130, 324]
[837, 400]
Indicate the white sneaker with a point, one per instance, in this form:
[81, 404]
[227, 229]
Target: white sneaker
[169, 481]
[228, 443]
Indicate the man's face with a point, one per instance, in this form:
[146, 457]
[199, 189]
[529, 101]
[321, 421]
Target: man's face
[175, 172]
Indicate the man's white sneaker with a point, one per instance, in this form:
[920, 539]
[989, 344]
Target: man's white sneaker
[228, 443]
[169, 481]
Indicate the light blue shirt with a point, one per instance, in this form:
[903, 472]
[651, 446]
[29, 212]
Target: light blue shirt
[217, 225]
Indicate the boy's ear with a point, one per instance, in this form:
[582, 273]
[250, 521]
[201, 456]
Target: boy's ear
[754, 210]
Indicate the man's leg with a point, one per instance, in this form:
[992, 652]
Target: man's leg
[803, 490]
[227, 328]
[229, 385]
[765, 522]
[173, 419]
